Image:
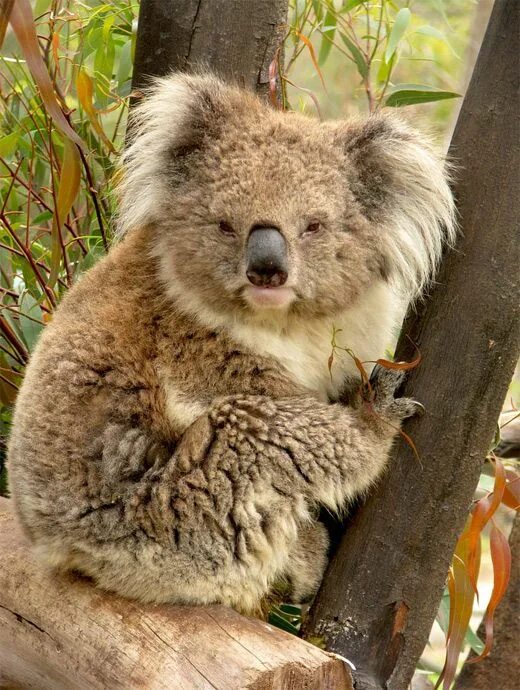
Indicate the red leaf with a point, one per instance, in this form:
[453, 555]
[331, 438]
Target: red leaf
[482, 513]
[461, 607]
[313, 56]
[511, 497]
[501, 558]
[273, 72]
[404, 366]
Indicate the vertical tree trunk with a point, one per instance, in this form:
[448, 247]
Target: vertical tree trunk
[383, 586]
[234, 38]
[502, 666]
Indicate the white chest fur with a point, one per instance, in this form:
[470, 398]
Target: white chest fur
[304, 351]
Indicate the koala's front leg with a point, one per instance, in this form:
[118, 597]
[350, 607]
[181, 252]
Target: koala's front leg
[324, 453]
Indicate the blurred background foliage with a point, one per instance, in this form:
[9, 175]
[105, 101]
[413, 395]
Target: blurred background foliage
[341, 58]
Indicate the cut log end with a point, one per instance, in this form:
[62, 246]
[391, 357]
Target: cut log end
[59, 632]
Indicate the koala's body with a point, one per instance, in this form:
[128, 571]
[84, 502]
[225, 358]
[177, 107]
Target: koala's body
[178, 427]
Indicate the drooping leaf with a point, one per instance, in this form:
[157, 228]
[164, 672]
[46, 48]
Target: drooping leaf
[402, 20]
[328, 31]
[85, 92]
[511, 497]
[461, 607]
[67, 191]
[23, 26]
[501, 559]
[358, 56]
[483, 511]
[312, 53]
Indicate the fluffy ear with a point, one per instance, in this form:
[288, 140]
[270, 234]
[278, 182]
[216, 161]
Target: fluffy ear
[401, 184]
[174, 118]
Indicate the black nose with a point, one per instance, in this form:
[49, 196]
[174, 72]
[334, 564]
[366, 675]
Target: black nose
[266, 257]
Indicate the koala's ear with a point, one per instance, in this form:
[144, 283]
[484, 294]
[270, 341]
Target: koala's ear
[183, 109]
[175, 117]
[402, 187]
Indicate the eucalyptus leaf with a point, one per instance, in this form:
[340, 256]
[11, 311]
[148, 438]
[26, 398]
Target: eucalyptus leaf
[327, 39]
[356, 54]
[8, 144]
[414, 96]
[402, 20]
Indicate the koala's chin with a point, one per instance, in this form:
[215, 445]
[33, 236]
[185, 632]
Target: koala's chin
[182, 419]
[269, 299]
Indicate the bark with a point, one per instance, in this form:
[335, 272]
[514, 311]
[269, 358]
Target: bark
[60, 632]
[237, 39]
[480, 21]
[502, 667]
[384, 583]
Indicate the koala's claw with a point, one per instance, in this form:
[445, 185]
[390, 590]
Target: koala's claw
[385, 382]
[402, 408]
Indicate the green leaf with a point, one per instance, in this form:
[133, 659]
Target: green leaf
[414, 96]
[8, 144]
[357, 55]
[124, 70]
[327, 39]
[279, 620]
[402, 19]
[350, 5]
[291, 610]
[318, 9]
[29, 307]
[385, 69]
[431, 31]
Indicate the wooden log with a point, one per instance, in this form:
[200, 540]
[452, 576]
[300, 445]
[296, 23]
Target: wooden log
[59, 632]
[383, 586]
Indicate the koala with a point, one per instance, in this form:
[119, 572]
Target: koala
[180, 424]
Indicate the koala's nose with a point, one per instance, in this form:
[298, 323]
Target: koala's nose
[266, 257]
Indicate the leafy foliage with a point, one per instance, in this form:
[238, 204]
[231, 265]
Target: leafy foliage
[369, 40]
[65, 84]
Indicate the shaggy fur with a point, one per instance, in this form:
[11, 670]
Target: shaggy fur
[173, 439]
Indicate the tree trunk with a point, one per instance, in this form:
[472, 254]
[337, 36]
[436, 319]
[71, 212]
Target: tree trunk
[383, 586]
[60, 632]
[502, 666]
[237, 39]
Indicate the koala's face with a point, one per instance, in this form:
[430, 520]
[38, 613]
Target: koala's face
[265, 219]
[259, 211]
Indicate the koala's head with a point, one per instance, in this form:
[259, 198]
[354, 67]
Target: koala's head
[256, 211]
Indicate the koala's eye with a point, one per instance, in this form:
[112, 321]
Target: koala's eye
[312, 228]
[226, 228]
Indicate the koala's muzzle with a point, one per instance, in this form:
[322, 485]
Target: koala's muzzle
[266, 257]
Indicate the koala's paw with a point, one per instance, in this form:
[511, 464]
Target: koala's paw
[384, 383]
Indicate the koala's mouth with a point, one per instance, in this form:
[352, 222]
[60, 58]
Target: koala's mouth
[269, 297]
